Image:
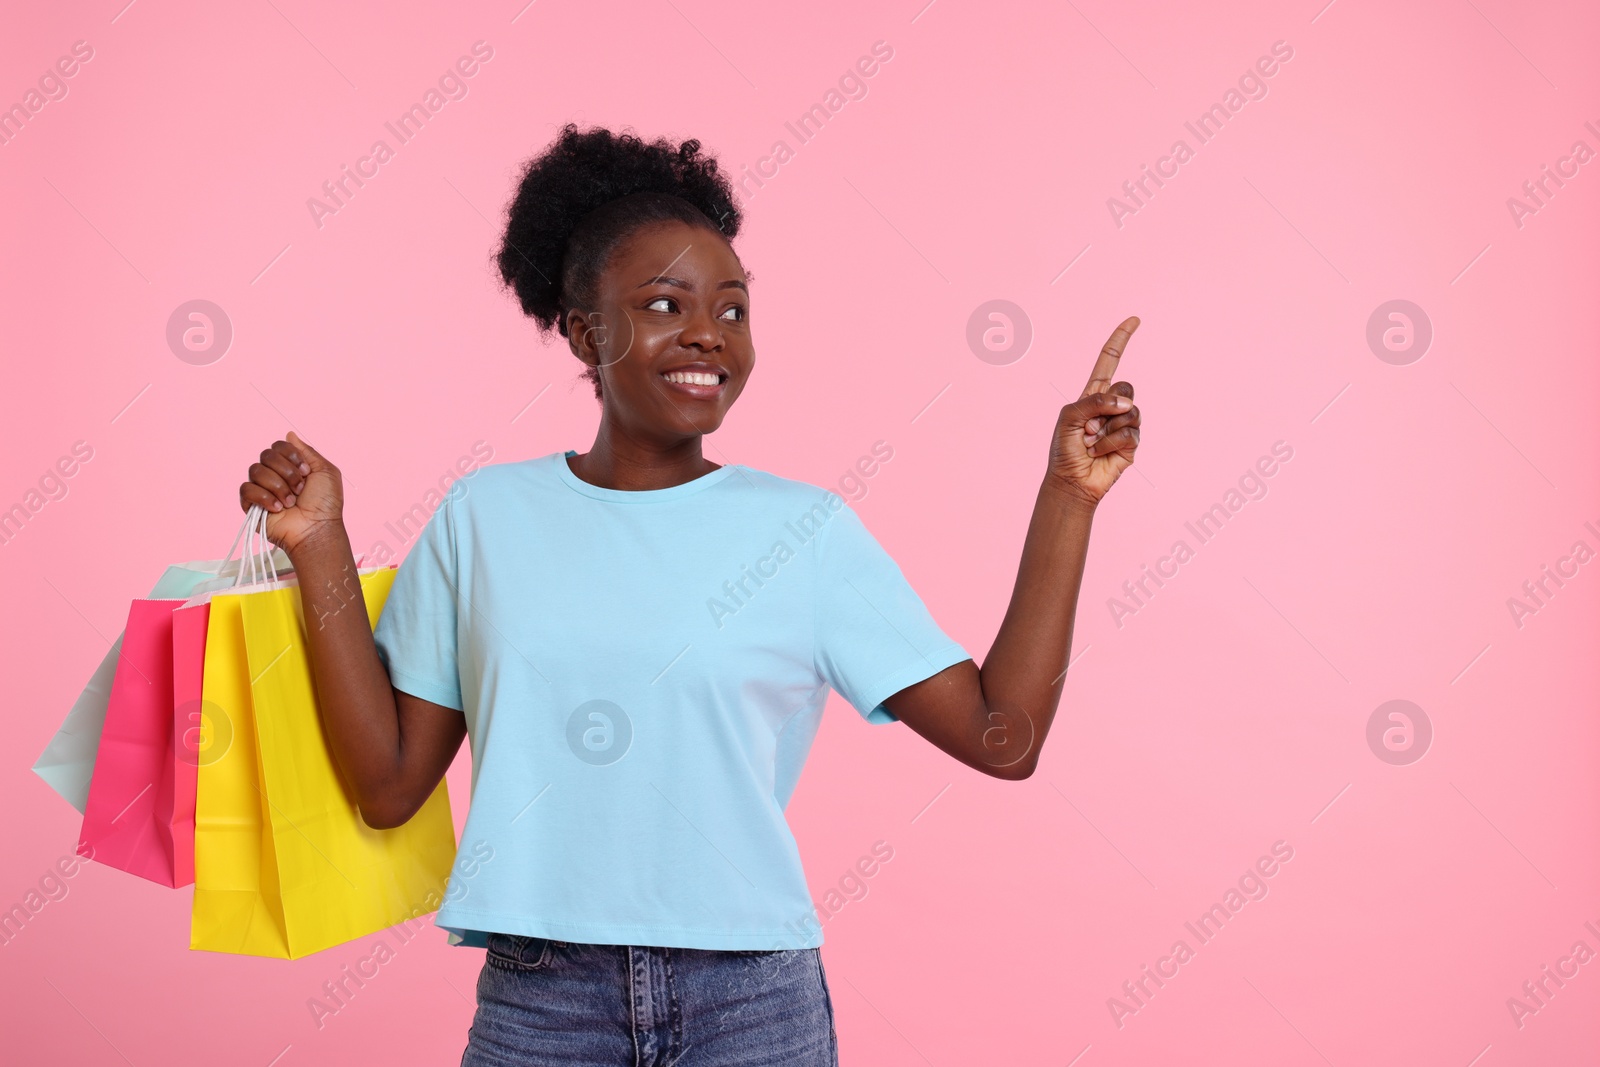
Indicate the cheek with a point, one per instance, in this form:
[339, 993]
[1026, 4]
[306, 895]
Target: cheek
[619, 340]
[628, 370]
[618, 347]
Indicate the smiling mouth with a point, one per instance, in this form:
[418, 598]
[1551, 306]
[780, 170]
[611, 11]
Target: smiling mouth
[700, 384]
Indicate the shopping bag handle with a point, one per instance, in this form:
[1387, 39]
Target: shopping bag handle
[259, 562]
[225, 560]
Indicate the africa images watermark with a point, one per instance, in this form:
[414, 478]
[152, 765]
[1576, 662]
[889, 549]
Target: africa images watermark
[53, 888]
[1252, 885]
[451, 483]
[852, 85]
[1252, 85]
[1536, 992]
[339, 992]
[52, 87]
[452, 85]
[1252, 485]
[850, 887]
[1538, 592]
[52, 485]
[737, 592]
[1538, 190]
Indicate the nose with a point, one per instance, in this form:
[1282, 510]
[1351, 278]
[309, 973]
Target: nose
[701, 330]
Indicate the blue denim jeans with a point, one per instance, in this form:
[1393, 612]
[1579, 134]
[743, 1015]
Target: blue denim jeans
[542, 1001]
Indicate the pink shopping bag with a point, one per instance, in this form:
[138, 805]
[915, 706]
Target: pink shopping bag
[133, 796]
[195, 736]
[67, 763]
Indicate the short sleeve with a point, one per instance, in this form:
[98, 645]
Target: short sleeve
[416, 631]
[874, 636]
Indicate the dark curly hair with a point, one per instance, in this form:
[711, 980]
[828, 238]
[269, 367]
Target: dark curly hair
[586, 194]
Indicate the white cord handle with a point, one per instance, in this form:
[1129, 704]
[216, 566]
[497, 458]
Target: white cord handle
[250, 547]
[258, 560]
[247, 557]
[223, 562]
[269, 550]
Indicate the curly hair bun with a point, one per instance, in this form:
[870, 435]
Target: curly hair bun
[587, 193]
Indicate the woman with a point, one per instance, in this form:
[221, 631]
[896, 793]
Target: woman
[640, 642]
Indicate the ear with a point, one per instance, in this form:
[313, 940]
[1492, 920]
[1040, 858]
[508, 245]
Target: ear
[585, 332]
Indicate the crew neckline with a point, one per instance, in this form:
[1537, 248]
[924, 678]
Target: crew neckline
[635, 496]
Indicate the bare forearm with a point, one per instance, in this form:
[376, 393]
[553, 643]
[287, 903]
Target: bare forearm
[995, 718]
[1024, 673]
[353, 689]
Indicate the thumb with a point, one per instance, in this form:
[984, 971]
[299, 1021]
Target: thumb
[308, 455]
[1094, 406]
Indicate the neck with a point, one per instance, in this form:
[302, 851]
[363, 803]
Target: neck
[620, 460]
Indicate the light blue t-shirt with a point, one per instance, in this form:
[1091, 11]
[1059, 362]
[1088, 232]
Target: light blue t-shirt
[642, 675]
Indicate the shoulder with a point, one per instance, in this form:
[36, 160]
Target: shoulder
[815, 516]
[489, 482]
[787, 493]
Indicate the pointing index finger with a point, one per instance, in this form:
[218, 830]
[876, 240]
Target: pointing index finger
[1105, 367]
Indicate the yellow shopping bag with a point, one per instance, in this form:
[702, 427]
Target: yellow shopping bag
[284, 866]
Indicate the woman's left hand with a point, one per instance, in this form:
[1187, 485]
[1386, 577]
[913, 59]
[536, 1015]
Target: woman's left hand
[1096, 436]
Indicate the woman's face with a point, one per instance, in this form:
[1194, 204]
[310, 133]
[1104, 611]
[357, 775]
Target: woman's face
[671, 335]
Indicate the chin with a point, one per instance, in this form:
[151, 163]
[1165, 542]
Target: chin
[704, 425]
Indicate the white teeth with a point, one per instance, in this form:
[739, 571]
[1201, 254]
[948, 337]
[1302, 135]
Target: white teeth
[691, 378]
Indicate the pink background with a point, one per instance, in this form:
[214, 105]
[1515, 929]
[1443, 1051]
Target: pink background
[1227, 714]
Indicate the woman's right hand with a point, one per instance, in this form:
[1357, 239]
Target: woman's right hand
[301, 492]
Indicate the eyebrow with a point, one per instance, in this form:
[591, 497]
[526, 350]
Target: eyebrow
[663, 279]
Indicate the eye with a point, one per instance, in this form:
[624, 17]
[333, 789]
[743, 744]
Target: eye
[659, 299]
[740, 308]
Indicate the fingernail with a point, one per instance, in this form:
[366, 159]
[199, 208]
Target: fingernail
[1124, 403]
[276, 506]
[305, 468]
[290, 500]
